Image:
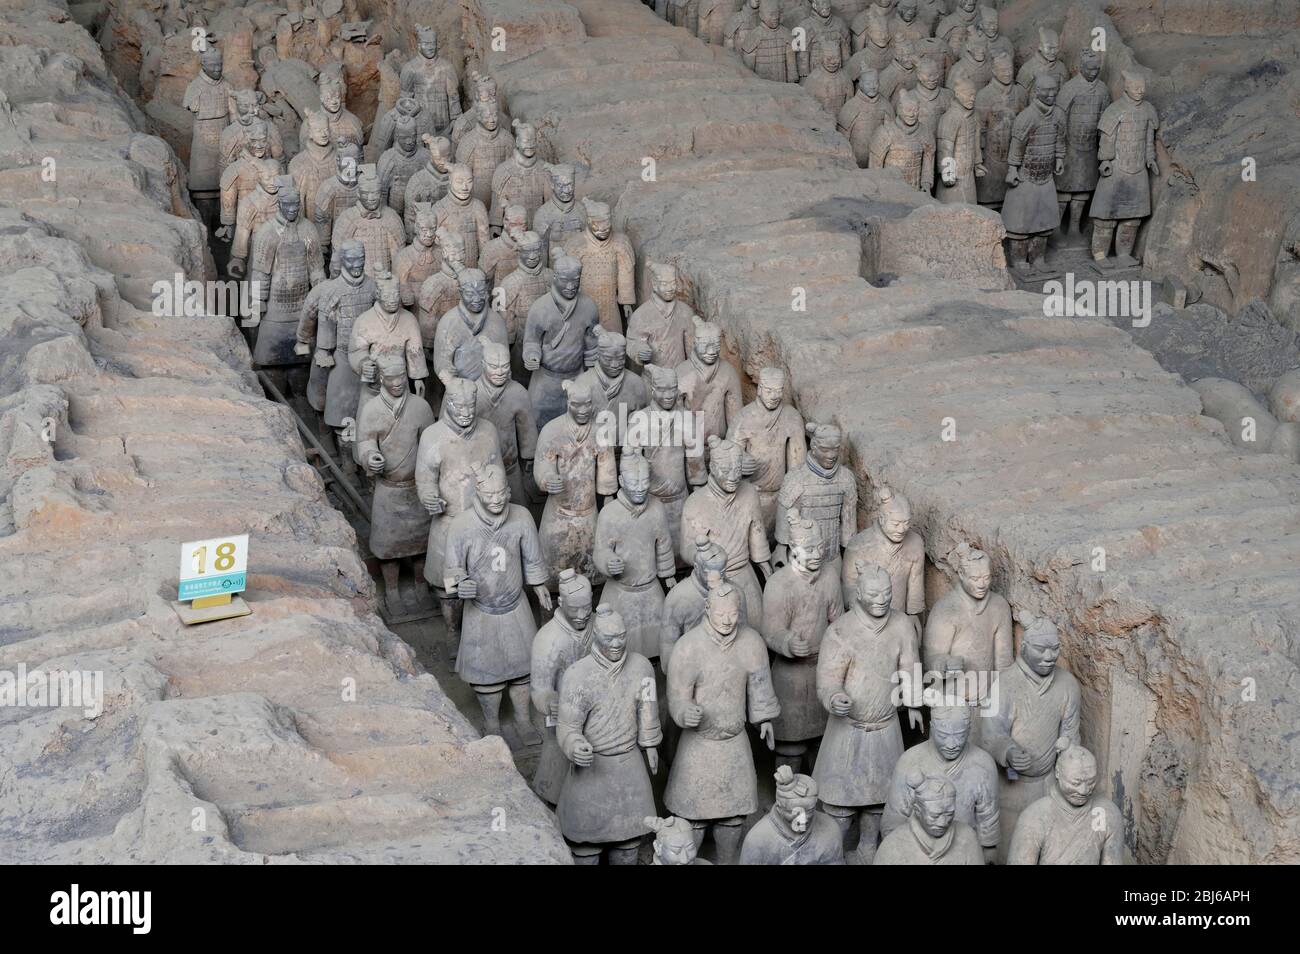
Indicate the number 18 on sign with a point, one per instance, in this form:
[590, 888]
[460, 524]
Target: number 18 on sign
[211, 573]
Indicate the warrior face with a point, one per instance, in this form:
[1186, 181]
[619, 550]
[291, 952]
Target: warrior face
[869, 83]
[1090, 67]
[873, 593]
[725, 471]
[894, 524]
[368, 195]
[530, 256]
[428, 44]
[581, 407]
[989, 22]
[495, 496]
[462, 407]
[269, 180]
[905, 54]
[967, 5]
[825, 452]
[678, 849]
[389, 296]
[453, 251]
[213, 65]
[831, 58]
[394, 384]
[487, 116]
[259, 142]
[497, 373]
[331, 97]
[1135, 86]
[1076, 777]
[878, 33]
[462, 183]
[1040, 650]
[567, 285]
[425, 232]
[404, 137]
[1045, 89]
[907, 10]
[1004, 68]
[769, 12]
[1049, 46]
[724, 610]
[612, 645]
[822, 8]
[318, 131]
[600, 227]
[354, 260]
[246, 106]
[976, 577]
[635, 481]
[665, 395]
[964, 92]
[612, 360]
[708, 347]
[562, 188]
[950, 735]
[290, 204]
[576, 606]
[663, 282]
[473, 292]
[771, 395]
[526, 142]
[930, 73]
[936, 812]
[977, 48]
[806, 558]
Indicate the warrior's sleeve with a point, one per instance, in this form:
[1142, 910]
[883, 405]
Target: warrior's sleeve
[939, 634]
[536, 571]
[763, 704]
[320, 215]
[191, 100]
[759, 551]
[1020, 130]
[927, 167]
[425, 301]
[407, 80]
[1106, 127]
[229, 194]
[544, 663]
[908, 660]
[682, 674]
[261, 259]
[1026, 840]
[916, 585]
[731, 402]
[453, 95]
[315, 255]
[626, 273]
[978, 145]
[606, 472]
[358, 345]
[786, 498]
[845, 117]
[832, 667]
[1058, 118]
[1153, 123]
[396, 234]
[1070, 713]
[898, 804]
[427, 465]
[417, 369]
[649, 734]
[988, 826]
[776, 618]
[444, 354]
[995, 732]
[385, 177]
[367, 431]
[525, 425]
[601, 550]
[1003, 645]
[1112, 847]
[849, 509]
[544, 464]
[665, 559]
[803, 57]
[243, 230]
[481, 223]
[878, 151]
[276, 142]
[574, 706]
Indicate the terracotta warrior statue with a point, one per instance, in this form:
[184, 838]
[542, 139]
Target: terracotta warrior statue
[726, 508]
[371, 223]
[874, 49]
[961, 164]
[823, 491]
[739, 24]
[500, 256]
[827, 82]
[661, 330]
[572, 467]
[618, 393]
[484, 148]
[492, 553]
[337, 194]
[608, 266]
[975, 64]
[383, 133]
[342, 123]
[713, 16]
[459, 211]
[718, 679]
[799, 602]
[658, 432]
[674, 842]
[906, 144]
[383, 328]
[686, 602]
[462, 331]
[998, 104]
[768, 49]
[900, 73]
[907, 22]
[485, 91]
[634, 552]
[608, 717]
[957, 26]
[931, 97]
[520, 178]
[208, 97]
[528, 281]
[874, 10]
[388, 436]
[440, 291]
[793, 832]
[505, 403]
[450, 451]
[398, 164]
[560, 643]
[1038, 702]
[891, 544]
[949, 753]
[771, 432]
[247, 105]
[314, 165]
[430, 184]
[561, 215]
[933, 836]
[1045, 61]
[991, 30]
[863, 114]
[258, 206]
[241, 176]
[1083, 99]
[1127, 150]
[822, 28]
[431, 80]
[559, 334]
[710, 391]
[1036, 155]
[416, 262]
[860, 655]
[1071, 824]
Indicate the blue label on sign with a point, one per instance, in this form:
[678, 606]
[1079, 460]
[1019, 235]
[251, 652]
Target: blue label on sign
[212, 585]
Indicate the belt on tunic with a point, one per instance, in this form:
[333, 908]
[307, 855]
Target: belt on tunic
[396, 484]
[872, 726]
[499, 610]
[635, 586]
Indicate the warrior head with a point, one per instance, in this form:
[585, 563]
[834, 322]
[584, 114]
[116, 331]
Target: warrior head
[634, 477]
[663, 281]
[530, 250]
[723, 606]
[974, 570]
[369, 196]
[568, 277]
[562, 182]
[353, 256]
[708, 341]
[1040, 646]
[258, 139]
[950, 730]
[872, 590]
[404, 134]
[514, 219]
[963, 91]
[663, 386]
[611, 352]
[1004, 67]
[771, 387]
[1135, 85]
[288, 201]
[452, 246]
[496, 363]
[674, 842]
[212, 62]
[575, 598]
[1076, 772]
[427, 41]
[525, 140]
[724, 464]
[1049, 44]
[598, 218]
[1089, 63]
[869, 83]
[988, 19]
[609, 638]
[807, 548]
[824, 444]
[579, 401]
[492, 488]
[929, 73]
[934, 802]
[461, 181]
[473, 287]
[1046, 86]
[392, 372]
[461, 405]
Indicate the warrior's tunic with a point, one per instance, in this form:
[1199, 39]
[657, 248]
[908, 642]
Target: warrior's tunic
[341, 304]
[399, 524]
[426, 185]
[973, 773]
[333, 198]
[684, 608]
[1051, 831]
[1083, 104]
[711, 392]
[380, 233]
[572, 451]
[772, 842]
[859, 118]
[413, 265]
[1037, 66]
[909, 149]
[209, 101]
[978, 632]
[445, 468]
[343, 126]
[509, 409]
[1037, 142]
[255, 208]
[618, 398]
[439, 294]
[904, 562]
[514, 183]
[828, 497]
[958, 139]
[911, 844]
[670, 332]
[519, 289]
[432, 82]
[395, 171]
[1128, 141]
[555, 223]
[608, 274]
[377, 332]
[235, 136]
[770, 53]
[637, 535]
[798, 605]
[661, 438]
[239, 180]
[561, 333]
[483, 150]
[458, 341]
[498, 259]
[311, 169]
[287, 257]
[469, 218]
[998, 106]
[735, 523]
[556, 647]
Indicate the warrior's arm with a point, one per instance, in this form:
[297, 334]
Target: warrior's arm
[916, 587]
[1070, 714]
[542, 688]
[525, 430]
[832, 668]
[572, 716]
[1003, 644]
[649, 733]
[681, 686]
[626, 273]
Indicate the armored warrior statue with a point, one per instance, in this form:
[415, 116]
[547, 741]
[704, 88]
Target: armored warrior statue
[485, 91]
[520, 178]
[342, 123]
[906, 144]
[1035, 156]
[459, 211]
[336, 195]
[933, 836]
[398, 164]
[932, 99]
[431, 80]
[727, 510]
[560, 215]
[875, 50]
[505, 403]
[608, 266]
[998, 104]
[314, 165]
[416, 262]
[991, 30]
[800, 600]
[484, 148]
[900, 73]
[658, 432]
[1082, 99]
[739, 24]
[907, 22]
[674, 842]
[954, 29]
[371, 223]
[892, 545]
[710, 390]
[241, 176]
[1038, 702]
[713, 17]
[492, 552]
[771, 432]
[618, 393]
[718, 679]
[248, 107]
[863, 114]
[384, 133]
[523, 286]
[961, 164]
[388, 436]
[256, 207]
[768, 49]
[559, 334]
[500, 256]
[608, 717]
[822, 28]
[949, 753]
[686, 602]
[793, 832]
[445, 474]
[875, 10]
[661, 330]
[572, 467]
[440, 292]
[385, 328]
[560, 643]
[430, 184]
[975, 64]
[1071, 824]
[208, 98]
[634, 551]
[823, 491]
[860, 655]
[827, 83]
[1044, 62]
[462, 330]
[1127, 150]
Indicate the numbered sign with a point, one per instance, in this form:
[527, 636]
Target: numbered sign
[213, 567]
